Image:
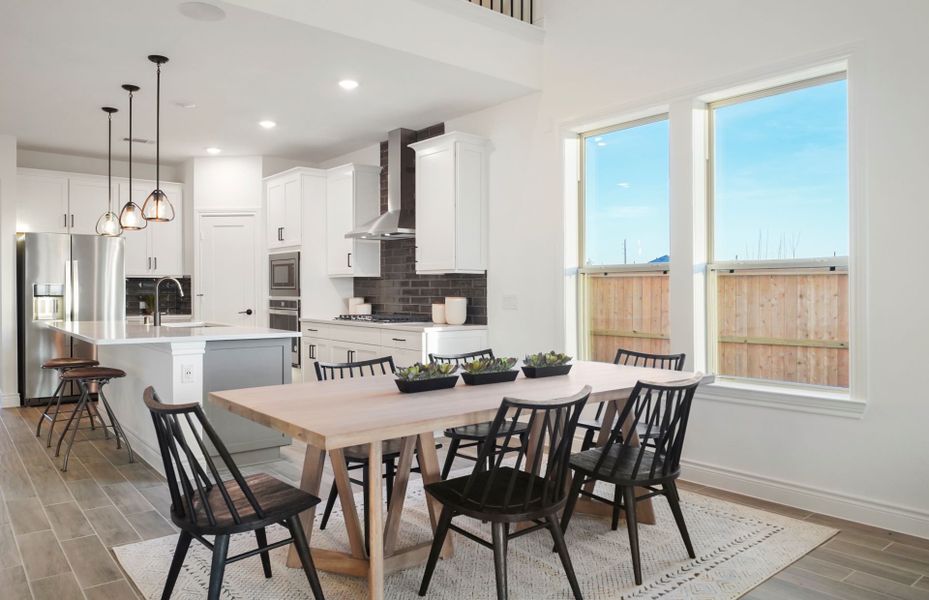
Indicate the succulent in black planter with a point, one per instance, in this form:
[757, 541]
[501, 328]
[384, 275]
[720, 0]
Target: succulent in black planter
[489, 370]
[546, 364]
[420, 377]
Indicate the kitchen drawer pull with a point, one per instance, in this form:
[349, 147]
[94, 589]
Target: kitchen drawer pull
[349, 260]
[72, 221]
[311, 350]
[156, 263]
[399, 339]
[149, 263]
[313, 330]
[66, 220]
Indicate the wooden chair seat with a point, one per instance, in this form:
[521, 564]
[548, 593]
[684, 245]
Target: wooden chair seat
[278, 500]
[479, 431]
[389, 450]
[92, 373]
[619, 466]
[67, 362]
[496, 486]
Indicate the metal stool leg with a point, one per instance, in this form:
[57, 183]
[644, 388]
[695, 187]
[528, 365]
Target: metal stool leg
[68, 426]
[117, 427]
[48, 405]
[54, 419]
[85, 393]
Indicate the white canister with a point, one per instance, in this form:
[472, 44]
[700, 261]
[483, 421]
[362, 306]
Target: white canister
[362, 309]
[456, 310]
[438, 313]
[353, 305]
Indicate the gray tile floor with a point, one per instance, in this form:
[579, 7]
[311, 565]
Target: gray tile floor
[56, 528]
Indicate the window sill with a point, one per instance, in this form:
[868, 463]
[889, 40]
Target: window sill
[809, 400]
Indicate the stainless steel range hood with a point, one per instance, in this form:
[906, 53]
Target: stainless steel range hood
[399, 222]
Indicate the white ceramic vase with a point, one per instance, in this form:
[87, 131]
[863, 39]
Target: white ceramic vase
[438, 313]
[456, 310]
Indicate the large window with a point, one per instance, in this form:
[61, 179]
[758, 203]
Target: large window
[625, 243]
[778, 289]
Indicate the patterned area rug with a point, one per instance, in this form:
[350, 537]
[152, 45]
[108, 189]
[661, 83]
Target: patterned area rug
[737, 549]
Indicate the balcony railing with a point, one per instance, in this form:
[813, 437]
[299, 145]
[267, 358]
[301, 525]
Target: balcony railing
[518, 9]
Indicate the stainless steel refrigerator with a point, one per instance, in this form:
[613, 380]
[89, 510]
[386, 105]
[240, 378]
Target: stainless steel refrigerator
[63, 277]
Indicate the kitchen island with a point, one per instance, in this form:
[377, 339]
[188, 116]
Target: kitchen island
[185, 362]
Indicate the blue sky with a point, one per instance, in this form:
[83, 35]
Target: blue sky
[781, 182]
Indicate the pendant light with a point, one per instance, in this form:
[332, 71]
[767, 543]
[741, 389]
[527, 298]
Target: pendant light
[157, 207]
[130, 217]
[108, 223]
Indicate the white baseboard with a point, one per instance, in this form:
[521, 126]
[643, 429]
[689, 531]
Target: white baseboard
[852, 508]
[9, 400]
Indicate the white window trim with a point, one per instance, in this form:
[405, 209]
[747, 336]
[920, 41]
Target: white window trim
[782, 396]
[849, 402]
[686, 108]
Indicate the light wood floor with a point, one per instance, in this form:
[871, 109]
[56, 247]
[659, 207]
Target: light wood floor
[56, 528]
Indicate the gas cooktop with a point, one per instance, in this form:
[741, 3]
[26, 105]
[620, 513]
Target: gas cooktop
[385, 318]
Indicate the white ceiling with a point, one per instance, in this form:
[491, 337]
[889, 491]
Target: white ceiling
[64, 59]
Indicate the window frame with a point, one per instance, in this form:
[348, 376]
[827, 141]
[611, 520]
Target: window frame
[833, 263]
[585, 271]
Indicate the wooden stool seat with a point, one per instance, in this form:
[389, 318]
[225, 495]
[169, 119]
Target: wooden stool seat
[67, 362]
[92, 374]
[84, 376]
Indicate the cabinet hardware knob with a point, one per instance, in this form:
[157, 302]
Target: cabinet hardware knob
[399, 339]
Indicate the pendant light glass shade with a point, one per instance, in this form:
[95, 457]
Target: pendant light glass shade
[157, 207]
[108, 223]
[130, 217]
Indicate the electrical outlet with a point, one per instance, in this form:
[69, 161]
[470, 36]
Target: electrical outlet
[187, 373]
[510, 302]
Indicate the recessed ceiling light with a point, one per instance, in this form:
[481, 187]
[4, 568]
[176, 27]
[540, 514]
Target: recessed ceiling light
[186, 104]
[267, 124]
[348, 84]
[201, 11]
[213, 150]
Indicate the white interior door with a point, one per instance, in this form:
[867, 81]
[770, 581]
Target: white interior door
[227, 269]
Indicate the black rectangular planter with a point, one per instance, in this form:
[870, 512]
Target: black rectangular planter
[426, 385]
[493, 377]
[534, 372]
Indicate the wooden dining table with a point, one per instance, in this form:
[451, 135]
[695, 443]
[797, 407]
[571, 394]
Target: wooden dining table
[330, 416]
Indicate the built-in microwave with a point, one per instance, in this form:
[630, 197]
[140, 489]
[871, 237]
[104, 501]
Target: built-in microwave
[284, 274]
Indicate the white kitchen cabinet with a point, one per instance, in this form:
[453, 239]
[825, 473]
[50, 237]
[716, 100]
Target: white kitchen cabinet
[451, 204]
[87, 201]
[353, 198]
[157, 250]
[333, 342]
[283, 196]
[42, 204]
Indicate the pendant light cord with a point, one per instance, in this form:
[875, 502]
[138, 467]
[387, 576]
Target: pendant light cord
[158, 129]
[130, 145]
[109, 162]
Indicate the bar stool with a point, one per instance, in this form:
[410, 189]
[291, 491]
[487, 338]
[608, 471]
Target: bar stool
[84, 376]
[62, 365]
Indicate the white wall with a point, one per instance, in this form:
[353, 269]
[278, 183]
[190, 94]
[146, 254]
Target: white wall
[9, 396]
[227, 183]
[606, 58]
[36, 159]
[369, 155]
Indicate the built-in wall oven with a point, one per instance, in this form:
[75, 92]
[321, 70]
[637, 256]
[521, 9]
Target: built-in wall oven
[284, 275]
[284, 313]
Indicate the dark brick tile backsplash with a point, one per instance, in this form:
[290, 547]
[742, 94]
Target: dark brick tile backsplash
[399, 289]
[141, 290]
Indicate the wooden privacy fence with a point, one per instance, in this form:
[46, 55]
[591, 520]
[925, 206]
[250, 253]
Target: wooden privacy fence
[627, 311]
[780, 325]
[789, 325]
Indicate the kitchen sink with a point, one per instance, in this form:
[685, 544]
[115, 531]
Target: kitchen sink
[181, 324]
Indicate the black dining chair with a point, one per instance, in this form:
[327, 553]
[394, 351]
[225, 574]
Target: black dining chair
[533, 488]
[631, 358]
[663, 409]
[470, 436]
[356, 457]
[203, 504]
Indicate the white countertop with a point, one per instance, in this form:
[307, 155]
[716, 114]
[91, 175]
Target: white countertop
[113, 333]
[424, 327]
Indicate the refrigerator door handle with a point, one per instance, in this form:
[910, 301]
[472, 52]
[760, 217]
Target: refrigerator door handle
[69, 295]
[75, 282]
